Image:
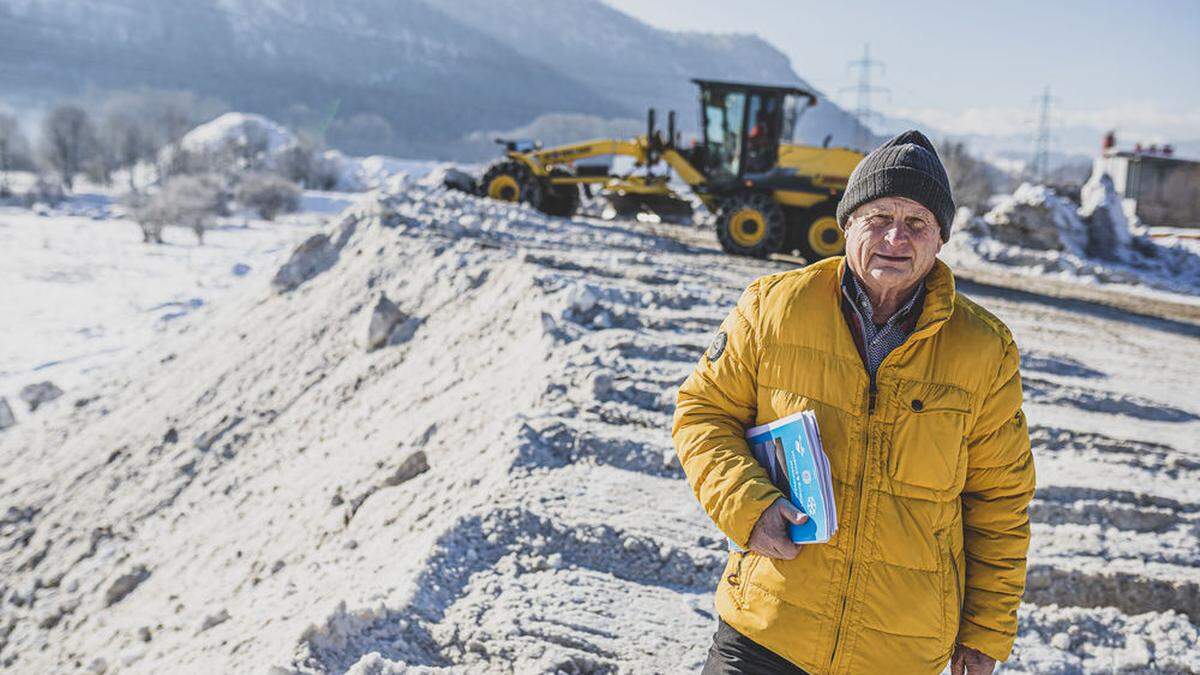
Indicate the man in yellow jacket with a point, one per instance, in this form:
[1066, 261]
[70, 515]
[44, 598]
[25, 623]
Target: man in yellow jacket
[917, 393]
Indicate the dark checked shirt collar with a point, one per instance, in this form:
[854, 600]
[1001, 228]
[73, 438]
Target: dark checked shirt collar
[879, 341]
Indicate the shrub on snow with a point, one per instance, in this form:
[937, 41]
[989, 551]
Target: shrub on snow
[46, 190]
[187, 201]
[268, 194]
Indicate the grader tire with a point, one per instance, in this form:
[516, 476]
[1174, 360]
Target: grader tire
[751, 224]
[508, 181]
[558, 200]
[820, 236]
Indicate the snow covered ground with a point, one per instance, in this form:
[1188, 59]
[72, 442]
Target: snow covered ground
[493, 487]
[81, 294]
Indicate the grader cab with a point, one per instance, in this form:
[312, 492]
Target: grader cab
[769, 195]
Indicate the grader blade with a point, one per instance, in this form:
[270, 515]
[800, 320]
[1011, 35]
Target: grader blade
[661, 207]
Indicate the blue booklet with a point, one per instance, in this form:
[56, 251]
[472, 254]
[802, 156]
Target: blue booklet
[790, 450]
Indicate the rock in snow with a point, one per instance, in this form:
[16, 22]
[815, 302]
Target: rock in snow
[213, 620]
[310, 258]
[384, 318]
[313, 256]
[125, 584]
[6, 414]
[413, 465]
[39, 393]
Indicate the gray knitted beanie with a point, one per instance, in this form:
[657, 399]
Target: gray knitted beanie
[906, 166]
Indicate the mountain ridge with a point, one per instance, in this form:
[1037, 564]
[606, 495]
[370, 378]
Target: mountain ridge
[410, 77]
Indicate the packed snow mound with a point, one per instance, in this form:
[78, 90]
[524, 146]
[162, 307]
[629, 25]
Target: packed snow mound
[262, 143]
[360, 174]
[1035, 217]
[244, 132]
[1109, 236]
[1037, 232]
[439, 441]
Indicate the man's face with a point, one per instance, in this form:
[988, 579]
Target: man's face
[891, 243]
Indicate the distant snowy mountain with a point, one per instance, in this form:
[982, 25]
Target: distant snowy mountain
[306, 63]
[640, 65]
[416, 77]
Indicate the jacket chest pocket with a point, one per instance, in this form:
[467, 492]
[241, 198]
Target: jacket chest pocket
[929, 435]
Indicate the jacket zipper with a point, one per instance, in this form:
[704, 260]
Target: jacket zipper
[871, 391]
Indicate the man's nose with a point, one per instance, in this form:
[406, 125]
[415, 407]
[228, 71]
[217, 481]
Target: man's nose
[897, 233]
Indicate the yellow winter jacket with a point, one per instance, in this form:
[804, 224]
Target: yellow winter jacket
[932, 476]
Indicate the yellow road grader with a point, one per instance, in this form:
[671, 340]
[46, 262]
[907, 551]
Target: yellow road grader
[769, 195]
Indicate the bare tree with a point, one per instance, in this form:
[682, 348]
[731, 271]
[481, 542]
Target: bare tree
[297, 164]
[970, 181]
[127, 141]
[14, 150]
[151, 218]
[68, 141]
[166, 116]
[45, 190]
[175, 115]
[101, 163]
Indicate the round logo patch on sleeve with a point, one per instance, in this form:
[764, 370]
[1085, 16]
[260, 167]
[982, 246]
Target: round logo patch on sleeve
[716, 347]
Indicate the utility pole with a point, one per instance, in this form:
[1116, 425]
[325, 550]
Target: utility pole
[864, 89]
[1040, 165]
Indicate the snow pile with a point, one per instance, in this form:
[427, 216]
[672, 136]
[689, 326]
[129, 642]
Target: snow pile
[1037, 232]
[246, 133]
[263, 142]
[370, 173]
[439, 441]
[1035, 217]
[1108, 233]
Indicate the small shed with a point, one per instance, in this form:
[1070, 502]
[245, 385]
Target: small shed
[1160, 189]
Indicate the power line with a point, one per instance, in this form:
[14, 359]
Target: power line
[864, 89]
[1040, 164]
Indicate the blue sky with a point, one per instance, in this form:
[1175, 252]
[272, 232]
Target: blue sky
[973, 67]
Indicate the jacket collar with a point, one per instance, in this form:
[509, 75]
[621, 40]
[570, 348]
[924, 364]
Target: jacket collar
[906, 315]
[939, 295]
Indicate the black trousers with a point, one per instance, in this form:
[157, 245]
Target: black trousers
[732, 653]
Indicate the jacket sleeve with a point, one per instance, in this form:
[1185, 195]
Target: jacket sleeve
[1000, 483]
[714, 407]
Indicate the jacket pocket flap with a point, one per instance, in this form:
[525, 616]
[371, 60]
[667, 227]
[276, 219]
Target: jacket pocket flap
[814, 374]
[928, 397]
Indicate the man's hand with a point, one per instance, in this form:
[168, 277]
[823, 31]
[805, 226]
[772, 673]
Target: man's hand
[770, 534]
[973, 661]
